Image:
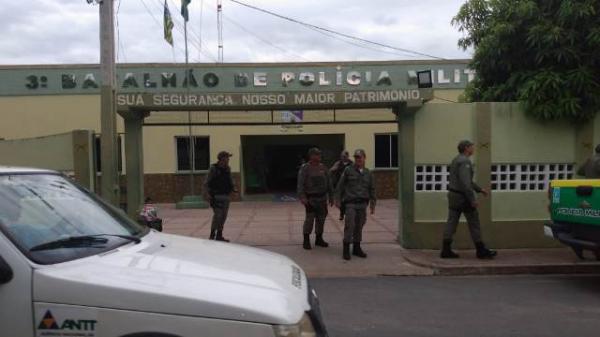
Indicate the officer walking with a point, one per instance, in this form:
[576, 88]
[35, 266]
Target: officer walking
[218, 185]
[314, 190]
[336, 172]
[591, 168]
[462, 199]
[355, 190]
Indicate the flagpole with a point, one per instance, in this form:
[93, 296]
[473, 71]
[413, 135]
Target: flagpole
[189, 201]
[187, 81]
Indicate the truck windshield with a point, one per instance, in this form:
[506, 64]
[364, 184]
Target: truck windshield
[47, 216]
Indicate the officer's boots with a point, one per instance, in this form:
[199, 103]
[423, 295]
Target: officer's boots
[346, 254]
[357, 251]
[306, 243]
[483, 252]
[219, 237]
[320, 242]
[213, 235]
[447, 252]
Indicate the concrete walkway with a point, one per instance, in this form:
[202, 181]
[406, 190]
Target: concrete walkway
[277, 226]
[508, 261]
[276, 223]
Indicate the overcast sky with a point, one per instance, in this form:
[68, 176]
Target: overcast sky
[66, 31]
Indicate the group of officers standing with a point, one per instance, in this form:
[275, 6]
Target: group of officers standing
[350, 186]
[347, 185]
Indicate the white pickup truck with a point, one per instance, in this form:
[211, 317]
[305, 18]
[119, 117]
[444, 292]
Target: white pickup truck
[72, 265]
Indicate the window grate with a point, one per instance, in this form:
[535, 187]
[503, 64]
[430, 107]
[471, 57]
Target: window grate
[528, 177]
[431, 178]
[505, 177]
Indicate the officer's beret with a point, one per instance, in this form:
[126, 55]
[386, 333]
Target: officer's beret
[463, 145]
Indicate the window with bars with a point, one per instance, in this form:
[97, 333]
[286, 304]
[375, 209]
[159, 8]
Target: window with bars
[201, 148]
[431, 178]
[528, 177]
[386, 150]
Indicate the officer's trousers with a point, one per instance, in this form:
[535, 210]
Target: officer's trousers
[354, 221]
[220, 206]
[472, 216]
[316, 213]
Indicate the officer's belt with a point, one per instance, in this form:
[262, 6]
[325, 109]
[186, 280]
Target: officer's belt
[357, 201]
[456, 191]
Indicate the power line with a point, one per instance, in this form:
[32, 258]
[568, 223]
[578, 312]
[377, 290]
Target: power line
[445, 99]
[334, 32]
[200, 25]
[356, 44]
[199, 36]
[263, 40]
[119, 41]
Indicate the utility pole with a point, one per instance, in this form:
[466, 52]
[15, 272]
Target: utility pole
[108, 116]
[220, 28]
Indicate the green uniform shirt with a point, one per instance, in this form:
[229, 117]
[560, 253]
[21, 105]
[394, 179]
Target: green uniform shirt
[213, 171]
[355, 186]
[314, 181]
[461, 178]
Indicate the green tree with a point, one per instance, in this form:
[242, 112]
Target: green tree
[543, 53]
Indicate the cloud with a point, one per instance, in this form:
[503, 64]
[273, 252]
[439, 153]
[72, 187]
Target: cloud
[66, 31]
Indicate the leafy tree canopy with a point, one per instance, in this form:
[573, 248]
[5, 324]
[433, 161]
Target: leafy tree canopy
[543, 53]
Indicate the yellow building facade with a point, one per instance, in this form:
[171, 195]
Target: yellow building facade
[268, 145]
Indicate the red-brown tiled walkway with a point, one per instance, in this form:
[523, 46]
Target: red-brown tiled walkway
[276, 223]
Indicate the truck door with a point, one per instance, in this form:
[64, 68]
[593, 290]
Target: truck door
[16, 318]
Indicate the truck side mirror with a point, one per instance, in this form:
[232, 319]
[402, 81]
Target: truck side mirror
[6, 273]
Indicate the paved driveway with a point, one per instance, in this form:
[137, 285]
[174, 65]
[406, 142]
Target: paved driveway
[276, 223]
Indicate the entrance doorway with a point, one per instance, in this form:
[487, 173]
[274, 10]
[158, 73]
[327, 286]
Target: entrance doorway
[271, 163]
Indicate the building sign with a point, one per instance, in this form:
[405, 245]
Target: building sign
[238, 85]
[260, 77]
[266, 101]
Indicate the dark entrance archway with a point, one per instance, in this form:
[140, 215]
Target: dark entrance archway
[271, 162]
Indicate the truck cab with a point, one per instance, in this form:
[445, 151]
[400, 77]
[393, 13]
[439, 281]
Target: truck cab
[73, 265]
[575, 214]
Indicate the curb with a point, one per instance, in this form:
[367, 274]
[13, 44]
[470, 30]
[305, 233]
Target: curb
[559, 268]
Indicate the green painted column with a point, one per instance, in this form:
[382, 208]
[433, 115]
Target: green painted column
[406, 173]
[584, 143]
[483, 155]
[83, 158]
[134, 162]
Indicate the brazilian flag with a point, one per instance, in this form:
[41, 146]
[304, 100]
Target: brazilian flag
[168, 24]
[184, 9]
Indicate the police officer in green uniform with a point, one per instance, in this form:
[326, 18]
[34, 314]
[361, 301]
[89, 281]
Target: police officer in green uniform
[355, 191]
[336, 172]
[218, 186]
[462, 200]
[591, 168]
[314, 190]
